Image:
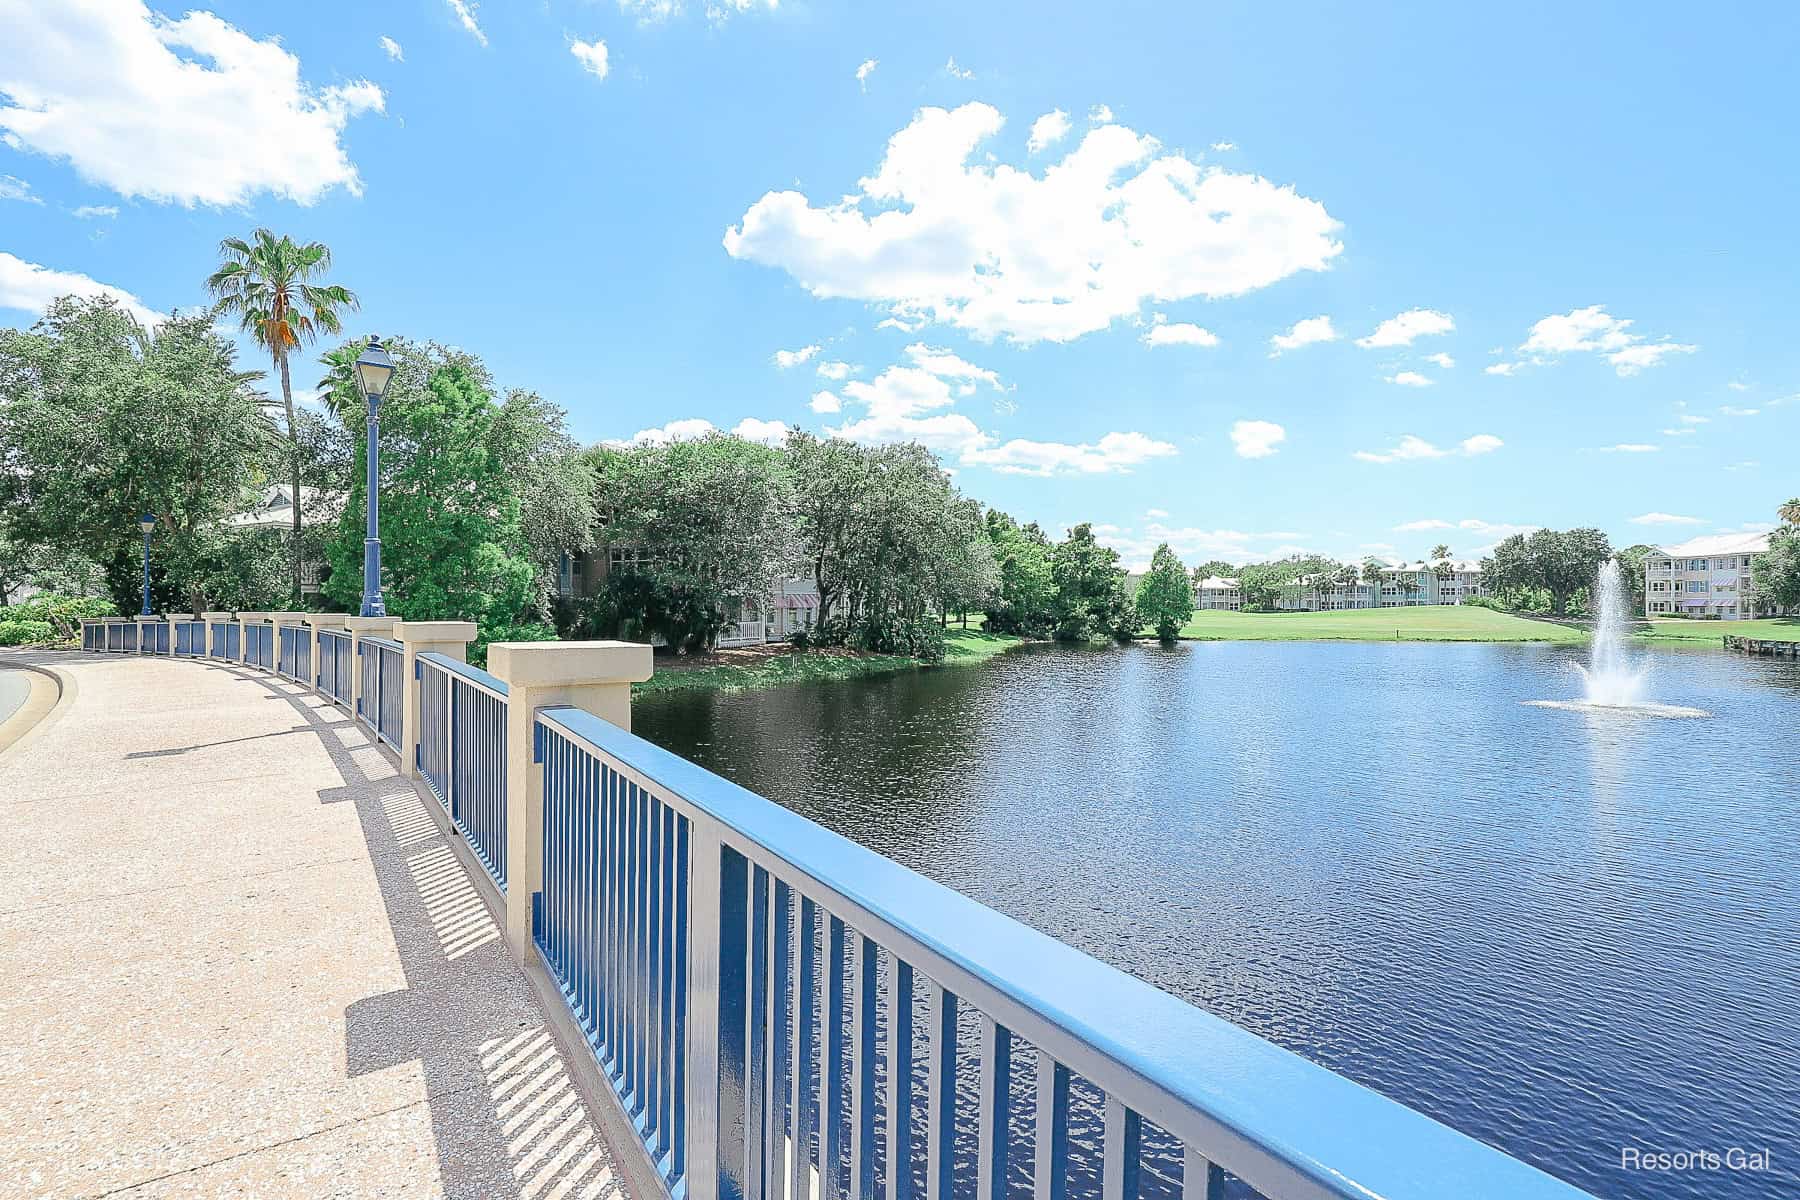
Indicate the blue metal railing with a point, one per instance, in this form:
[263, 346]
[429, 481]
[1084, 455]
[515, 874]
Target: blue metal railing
[153, 638]
[334, 665]
[225, 640]
[190, 639]
[812, 961]
[462, 753]
[287, 639]
[378, 703]
[93, 635]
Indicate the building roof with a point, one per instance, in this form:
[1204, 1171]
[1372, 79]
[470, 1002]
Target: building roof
[1218, 582]
[1718, 543]
[275, 508]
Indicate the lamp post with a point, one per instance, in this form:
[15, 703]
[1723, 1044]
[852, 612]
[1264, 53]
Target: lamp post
[373, 369]
[147, 522]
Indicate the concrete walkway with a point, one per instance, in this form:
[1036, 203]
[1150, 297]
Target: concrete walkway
[238, 958]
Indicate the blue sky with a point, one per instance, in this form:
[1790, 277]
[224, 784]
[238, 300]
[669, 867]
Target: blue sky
[635, 207]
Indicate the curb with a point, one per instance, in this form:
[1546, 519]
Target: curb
[52, 694]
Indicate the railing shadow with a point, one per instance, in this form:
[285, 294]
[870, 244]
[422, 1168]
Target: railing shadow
[506, 1117]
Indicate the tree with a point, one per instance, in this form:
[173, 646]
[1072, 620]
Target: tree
[1775, 573]
[1026, 594]
[1090, 598]
[969, 575]
[272, 286]
[1631, 567]
[1373, 572]
[1212, 567]
[1559, 562]
[102, 420]
[1790, 512]
[1440, 552]
[1165, 598]
[451, 541]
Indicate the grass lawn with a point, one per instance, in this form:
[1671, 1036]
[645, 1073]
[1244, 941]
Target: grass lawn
[773, 666]
[1775, 629]
[1425, 623]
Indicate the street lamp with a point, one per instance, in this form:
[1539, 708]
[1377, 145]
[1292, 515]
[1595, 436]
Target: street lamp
[373, 369]
[147, 522]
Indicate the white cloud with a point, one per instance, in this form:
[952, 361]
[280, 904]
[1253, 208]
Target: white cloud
[1116, 452]
[1257, 439]
[1731, 411]
[1442, 360]
[1501, 368]
[465, 16]
[1492, 530]
[1163, 333]
[591, 56]
[956, 72]
[946, 365]
[1155, 513]
[1221, 147]
[1411, 447]
[1101, 114]
[1053, 126]
[866, 69]
[1304, 333]
[1630, 448]
[1662, 518]
[1421, 526]
[1403, 329]
[825, 402]
[185, 111]
[95, 212]
[770, 433]
[793, 358]
[1193, 544]
[1737, 385]
[30, 288]
[1409, 379]
[1688, 418]
[392, 48]
[1000, 251]
[1594, 330]
[836, 370]
[1685, 431]
[14, 188]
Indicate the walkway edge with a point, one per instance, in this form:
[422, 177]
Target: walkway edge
[52, 694]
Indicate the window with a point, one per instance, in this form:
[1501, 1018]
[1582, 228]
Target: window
[627, 558]
[1696, 585]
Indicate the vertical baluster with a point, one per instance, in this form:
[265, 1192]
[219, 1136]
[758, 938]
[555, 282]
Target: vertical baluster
[653, 981]
[805, 984]
[1051, 1178]
[831, 1061]
[590, 865]
[634, 867]
[756, 1041]
[733, 1091]
[780, 1046]
[698, 1150]
[899, 1080]
[1121, 1155]
[1201, 1178]
[671, 966]
[609, 881]
[862, 1069]
[684, 918]
[992, 1118]
[641, 956]
[941, 1095]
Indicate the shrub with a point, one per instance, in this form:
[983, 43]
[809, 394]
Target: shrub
[66, 610]
[535, 631]
[24, 633]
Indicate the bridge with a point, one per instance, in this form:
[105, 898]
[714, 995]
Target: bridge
[304, 904]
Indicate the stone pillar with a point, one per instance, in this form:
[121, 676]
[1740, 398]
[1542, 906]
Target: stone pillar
[244, 621]
[450, 638]
[360, 628]
[213, 650]
[596, 676]
[147, 625]
[316, 622]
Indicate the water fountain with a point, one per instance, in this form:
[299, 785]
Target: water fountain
[1613, 681]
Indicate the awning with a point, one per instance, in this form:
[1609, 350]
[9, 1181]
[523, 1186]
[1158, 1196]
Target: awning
[797, 600]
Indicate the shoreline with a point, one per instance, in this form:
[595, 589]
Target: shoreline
[756, 672]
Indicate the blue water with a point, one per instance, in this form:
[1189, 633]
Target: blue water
[1562, 933]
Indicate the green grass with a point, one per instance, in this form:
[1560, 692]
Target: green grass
[1425, 623]
[1676, 629]
[961, 648]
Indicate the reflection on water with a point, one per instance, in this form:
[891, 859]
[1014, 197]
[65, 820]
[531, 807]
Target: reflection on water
[1563, 933]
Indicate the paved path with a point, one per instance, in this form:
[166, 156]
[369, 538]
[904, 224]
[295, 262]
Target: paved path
[238, 958]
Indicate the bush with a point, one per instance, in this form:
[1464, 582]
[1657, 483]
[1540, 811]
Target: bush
[24, 633]
[535, 631]
[66, 610]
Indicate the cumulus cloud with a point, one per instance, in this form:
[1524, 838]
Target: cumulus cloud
[770, 433]
[30, 288]
[1221, 147]
[1002, 252]
[836, 370]
[1501, 368]
[825, 402]
[1116, 452]
[1101, 114]
[1663, 518]
[1409, 379]
[691, 428]
[1193, 543]
[591, 56]
[464, 11]
[14, 188]
[1052, 127]
[1594, 330]
[1256, 439]
[866, 69]
[1441, 360]
[1410, 447]
[793, 358]
[95, 212]
[1493, 531]
[189, 111]
[1164, 333]
[1155, 513]
[392, 48]
[946, 365]
[1733, 411]
[1403, 329]
[1304, 333]
[956, 72]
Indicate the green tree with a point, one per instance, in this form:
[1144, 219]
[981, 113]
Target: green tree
[1090, 599]
[1631, 567]
[1775, 573]
[451, 542]
[1165, 596]
[1025, 600]
[1212, 567]
[1790, 512]
[274, 287]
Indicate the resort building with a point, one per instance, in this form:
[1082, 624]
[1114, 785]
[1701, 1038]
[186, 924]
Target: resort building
[1707, 577]
[791, 607]
[1217, 593]
[1404, 586]
[273, 513]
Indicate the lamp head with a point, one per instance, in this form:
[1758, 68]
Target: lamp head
[374, 368]
[147, 522]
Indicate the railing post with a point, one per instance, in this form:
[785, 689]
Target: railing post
[449, 638]
[213, 649]
[596, 676]
[316, 622]
[360, 628]
[244, 621]
[147, 625]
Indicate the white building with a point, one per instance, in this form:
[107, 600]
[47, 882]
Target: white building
[1406, 585]
[791, 606]
[1706, 577]
[1218, 593]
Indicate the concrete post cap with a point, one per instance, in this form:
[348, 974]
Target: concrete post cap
[549, 664]
[216, 616]
[326, 620]
[435, 631]
[371, 624]
[287, 618]
[253, 616]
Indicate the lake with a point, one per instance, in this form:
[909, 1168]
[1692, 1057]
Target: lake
[1563, 933]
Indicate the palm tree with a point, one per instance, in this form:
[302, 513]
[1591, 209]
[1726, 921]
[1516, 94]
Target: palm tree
[1346, 576]
[1440, 552]
[274, 287]
[1790, 512]
[1373, 569]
